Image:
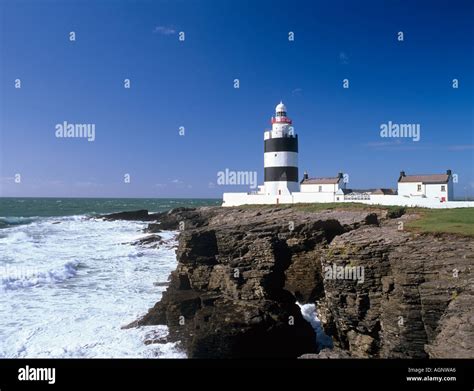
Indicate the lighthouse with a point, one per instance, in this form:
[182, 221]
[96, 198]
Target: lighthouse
[281, 185]
[281, 155]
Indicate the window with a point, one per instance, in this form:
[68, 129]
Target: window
[443, 188]
[418, 188]
[320, 189]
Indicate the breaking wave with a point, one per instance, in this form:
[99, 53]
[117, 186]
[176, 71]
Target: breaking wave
[6, 222]
[18, 278]
[68, 285]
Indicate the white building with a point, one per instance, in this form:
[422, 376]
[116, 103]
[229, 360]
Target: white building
[281, 184]
[437, 186]
[325, 188]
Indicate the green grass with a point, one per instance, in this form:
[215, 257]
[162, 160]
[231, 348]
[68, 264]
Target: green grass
[456, 221]
[319, 207]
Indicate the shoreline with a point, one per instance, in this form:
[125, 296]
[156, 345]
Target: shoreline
[69, 287]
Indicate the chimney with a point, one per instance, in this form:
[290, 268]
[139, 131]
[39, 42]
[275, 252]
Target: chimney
[340, 175]
[402, 174]
[305, 175]
[449, 172]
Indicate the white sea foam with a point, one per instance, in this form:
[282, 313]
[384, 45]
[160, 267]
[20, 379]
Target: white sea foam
[309, 314]
[68, 285]
[19, 277]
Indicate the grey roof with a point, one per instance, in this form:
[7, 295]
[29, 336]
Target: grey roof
[434, 178]
[320, 181]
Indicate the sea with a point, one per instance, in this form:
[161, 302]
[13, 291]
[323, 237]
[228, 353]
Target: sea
[69, 281]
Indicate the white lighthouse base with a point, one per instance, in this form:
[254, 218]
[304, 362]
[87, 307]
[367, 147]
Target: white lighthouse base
[237, 199]
[282, 188]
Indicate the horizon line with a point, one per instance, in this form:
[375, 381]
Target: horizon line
[118, 198]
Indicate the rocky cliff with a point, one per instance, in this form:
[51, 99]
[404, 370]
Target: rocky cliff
[241, 270]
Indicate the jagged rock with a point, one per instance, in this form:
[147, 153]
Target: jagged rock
[241, 270]
[161, 283]
[455, 330]
[158, 340]
[233, 293]
[180, 218]
[154, 240]
[404, 308]
[153, 228]
[140, 215]
[327, 353]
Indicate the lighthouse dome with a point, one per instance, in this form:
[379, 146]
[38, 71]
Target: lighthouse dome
[280, 108]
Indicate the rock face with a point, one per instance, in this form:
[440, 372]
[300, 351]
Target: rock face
[416, 300]
[154, 240]
[241, 270]
[141, 215]
[327, 353]
[233, 292]
[180, 218]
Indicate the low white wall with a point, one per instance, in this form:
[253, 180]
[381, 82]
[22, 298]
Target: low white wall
[397, 200]
[236, 199]
[312, 197]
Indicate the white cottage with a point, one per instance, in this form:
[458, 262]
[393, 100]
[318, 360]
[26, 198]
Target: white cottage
[324, 189]
[436, 186]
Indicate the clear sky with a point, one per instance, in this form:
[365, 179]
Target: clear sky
[190, 83]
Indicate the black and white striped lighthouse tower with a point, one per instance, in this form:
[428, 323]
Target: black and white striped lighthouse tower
[281, 155]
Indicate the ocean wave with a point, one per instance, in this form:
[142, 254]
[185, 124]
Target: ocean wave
[6, 222]
[20, 278]
[107, 285]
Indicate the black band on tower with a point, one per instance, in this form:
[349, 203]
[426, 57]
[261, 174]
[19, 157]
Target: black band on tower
[282, 144]
[275, 174]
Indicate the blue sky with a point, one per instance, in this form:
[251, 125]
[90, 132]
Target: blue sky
[190, 83]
